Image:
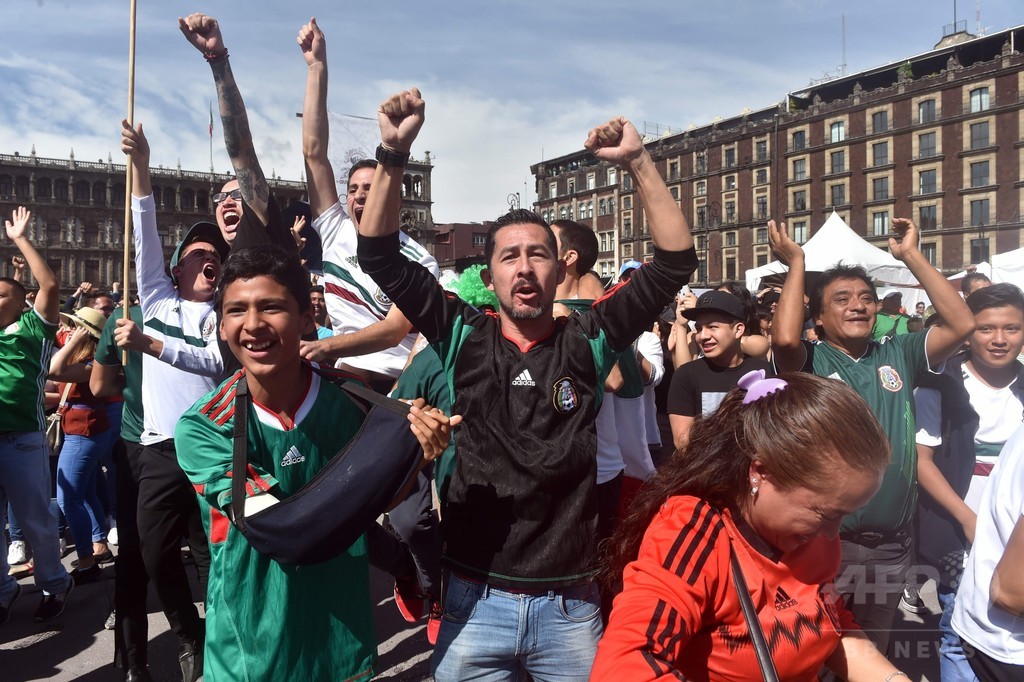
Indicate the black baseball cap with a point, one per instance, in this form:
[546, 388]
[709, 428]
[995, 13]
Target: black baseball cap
[718, 301]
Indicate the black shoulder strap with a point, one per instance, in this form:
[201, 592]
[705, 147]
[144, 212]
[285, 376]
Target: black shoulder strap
[239, 454]
[359, 391]
[764, 656]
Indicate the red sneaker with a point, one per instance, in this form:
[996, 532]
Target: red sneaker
[408, 599]
[434, 622]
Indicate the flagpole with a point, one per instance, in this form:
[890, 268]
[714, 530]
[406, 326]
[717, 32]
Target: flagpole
[126, 270]
[211, 141]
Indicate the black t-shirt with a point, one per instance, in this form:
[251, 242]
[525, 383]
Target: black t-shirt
[699, 387]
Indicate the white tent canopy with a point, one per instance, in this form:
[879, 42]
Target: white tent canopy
[836, 243]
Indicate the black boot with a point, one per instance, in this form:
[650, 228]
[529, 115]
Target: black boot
[190, 657]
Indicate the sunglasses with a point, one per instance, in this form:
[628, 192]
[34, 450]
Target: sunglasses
[219, 197]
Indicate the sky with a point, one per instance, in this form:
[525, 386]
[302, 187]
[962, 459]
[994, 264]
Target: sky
[506, 83]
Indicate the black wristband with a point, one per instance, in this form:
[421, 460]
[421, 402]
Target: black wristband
[386, 157]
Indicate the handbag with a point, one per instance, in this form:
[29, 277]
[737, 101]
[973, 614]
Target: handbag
[54, 422]
[323, 518]
[764, 656]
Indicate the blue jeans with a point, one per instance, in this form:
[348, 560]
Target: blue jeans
[490, 634]
[77, 470]
[953, 664]
[25, 483]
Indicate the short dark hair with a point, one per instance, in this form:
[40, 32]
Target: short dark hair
[837, 271]
[970, 278]
[316, 289]
[272, 261]
[359, 165]
[518, 216]
[18, 286]
[579, 238]
[996, 296]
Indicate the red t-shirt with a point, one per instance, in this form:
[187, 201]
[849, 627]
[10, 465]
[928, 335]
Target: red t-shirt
[679, 616]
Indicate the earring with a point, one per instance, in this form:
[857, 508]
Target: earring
[754, 487]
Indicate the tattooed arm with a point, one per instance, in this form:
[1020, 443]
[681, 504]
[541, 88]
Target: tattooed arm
[204, 33]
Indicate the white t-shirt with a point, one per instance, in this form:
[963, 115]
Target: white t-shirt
[354, 301]
[989, 628]
[609, 455]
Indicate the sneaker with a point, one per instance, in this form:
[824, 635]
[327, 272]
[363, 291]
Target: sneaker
[111, 621]
[112, 536]
[911, 600]
[434, 621]
[83, 576]
[53, 604]
[17, 553]
[408, 599]
[5, 609]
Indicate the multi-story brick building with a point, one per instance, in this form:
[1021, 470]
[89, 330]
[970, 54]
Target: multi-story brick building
[938, 137]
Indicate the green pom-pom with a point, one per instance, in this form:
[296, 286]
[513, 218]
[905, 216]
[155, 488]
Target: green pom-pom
[472, 290]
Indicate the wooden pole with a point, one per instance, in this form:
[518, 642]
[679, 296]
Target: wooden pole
[126, 270]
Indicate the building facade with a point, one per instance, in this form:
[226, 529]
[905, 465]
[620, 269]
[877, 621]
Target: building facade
[938, 138]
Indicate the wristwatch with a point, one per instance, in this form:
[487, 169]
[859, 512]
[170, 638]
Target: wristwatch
[386, 157]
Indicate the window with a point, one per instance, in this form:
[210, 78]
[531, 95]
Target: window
[880, 188]
[799, 169]
[627, 203]
[673, 170]
[879, 121]
[762, 235]
[627, 250]
[837, 131]
[799, 140]
[611, 176]
[730, 182]
[627, 227]
[552, 190]
[730, 239]
[926, 145]
[838, 195]
[611, 204]
[591, 181]
[702, 271]
[675, 192]
[479, 239]
[926, 111]
[602, 207]
[927, 219]
[569, 212]
[979, 250]
[800, 200]
[879, 223]
[702, 188]
[979, 174]
[730, 157]
[627, 182]
[701, 162]
[730, 212]
[760, 259]
[604, 241]
[702, 218]
[702, 242]
[979, 135]
[979, 216]
[930, 251]
[837, 161]
[761, 178]
[800, 231]
[880, 153]
[561, 213]
[762, 208]
[730, 267]
[926, 181]
[570, 185]
[979, 102]
[590, 210]
[761, 150]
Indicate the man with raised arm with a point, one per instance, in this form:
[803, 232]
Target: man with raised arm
[371, 336]
[246, 212]
[521, 512]
[26, 341]
[876, 540]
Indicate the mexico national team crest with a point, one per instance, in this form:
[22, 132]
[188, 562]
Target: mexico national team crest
[565, 396]
[381, 298]
[207, 326]
[890, 378]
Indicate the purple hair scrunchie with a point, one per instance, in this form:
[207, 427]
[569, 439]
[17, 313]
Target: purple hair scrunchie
[757, 386]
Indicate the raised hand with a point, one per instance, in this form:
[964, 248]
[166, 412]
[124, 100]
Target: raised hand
[904, 239]
[128, 335]
[19, 265]
[134, 143]
[20, 216]
[296, 230]
[616, 141]
[783, 246]
[203, 32]
[312, 43]
[401, 117]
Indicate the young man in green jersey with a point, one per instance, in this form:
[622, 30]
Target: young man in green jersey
[311, 622]
[877, 539]
[26, 341]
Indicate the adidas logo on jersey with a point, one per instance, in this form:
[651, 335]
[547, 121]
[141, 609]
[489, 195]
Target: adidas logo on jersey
[783, 600]
[293, 456]
[524, 379]
[353, 261]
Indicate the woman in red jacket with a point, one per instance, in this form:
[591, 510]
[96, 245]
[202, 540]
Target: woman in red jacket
[767, 477]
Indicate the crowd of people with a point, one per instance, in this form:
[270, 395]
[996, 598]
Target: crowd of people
[829, 451]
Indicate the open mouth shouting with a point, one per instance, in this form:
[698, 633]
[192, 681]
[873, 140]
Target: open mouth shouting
[210, 272]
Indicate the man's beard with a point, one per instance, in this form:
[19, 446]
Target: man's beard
[525, 313]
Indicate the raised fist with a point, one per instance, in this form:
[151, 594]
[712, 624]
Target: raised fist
[616, 141]
[401, 117]
[312, 44]
[203, 32]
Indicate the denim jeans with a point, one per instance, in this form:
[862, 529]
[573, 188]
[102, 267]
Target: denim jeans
[25, 483]
[491, 634]
[953, 664]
